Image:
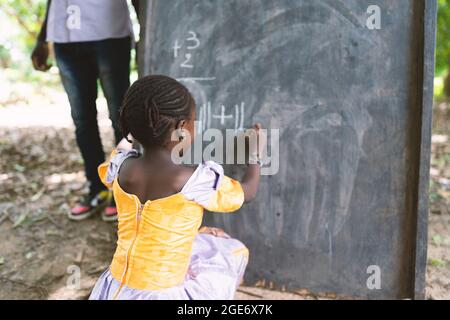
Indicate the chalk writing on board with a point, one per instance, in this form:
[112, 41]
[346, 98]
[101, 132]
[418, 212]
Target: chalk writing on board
[196, 79]
[192, 42]
[193, 38]
[224, 117]
[235, 117]
[185, 63]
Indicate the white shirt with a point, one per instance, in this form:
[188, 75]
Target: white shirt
[88, 20]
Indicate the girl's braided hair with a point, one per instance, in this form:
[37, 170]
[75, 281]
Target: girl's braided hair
[152, 106]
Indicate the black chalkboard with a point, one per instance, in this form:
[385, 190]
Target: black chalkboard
[353, 106]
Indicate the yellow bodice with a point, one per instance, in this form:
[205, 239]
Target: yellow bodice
[155, 239]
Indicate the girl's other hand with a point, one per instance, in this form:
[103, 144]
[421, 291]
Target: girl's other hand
[217, 232]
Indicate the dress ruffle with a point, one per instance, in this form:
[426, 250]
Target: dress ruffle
[215, 271]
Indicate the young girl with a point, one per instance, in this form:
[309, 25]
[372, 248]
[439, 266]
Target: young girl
[161, 253]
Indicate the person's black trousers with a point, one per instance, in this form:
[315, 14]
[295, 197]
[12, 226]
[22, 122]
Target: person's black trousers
[80, 65]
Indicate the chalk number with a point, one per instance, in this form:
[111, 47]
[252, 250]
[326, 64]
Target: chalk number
[192, 43]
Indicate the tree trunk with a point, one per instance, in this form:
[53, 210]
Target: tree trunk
[447, 81]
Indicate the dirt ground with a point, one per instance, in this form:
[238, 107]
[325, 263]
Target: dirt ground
[41, 176]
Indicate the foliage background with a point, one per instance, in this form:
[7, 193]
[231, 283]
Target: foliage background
[20, 23]
[443, 37]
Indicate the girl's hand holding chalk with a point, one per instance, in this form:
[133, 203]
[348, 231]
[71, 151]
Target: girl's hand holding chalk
[257, 142]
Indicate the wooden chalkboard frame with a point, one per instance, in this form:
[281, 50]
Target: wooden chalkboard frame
[414, 277]
[428, 43]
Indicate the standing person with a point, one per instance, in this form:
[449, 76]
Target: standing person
[92, 41]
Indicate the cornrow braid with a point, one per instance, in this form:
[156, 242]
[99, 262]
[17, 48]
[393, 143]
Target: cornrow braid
[152, 106]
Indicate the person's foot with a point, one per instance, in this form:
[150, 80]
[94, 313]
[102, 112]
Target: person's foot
[89, 205]
[110, 212]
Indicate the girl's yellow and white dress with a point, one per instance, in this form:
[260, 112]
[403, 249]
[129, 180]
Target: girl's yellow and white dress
[160, 254]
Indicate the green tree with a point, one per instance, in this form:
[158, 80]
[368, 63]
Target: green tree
[443, 43]
[25, 16]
